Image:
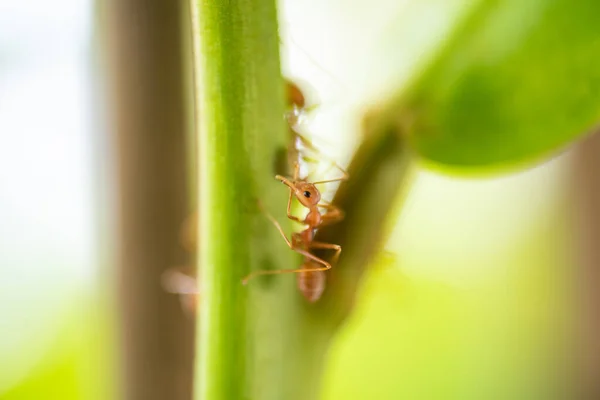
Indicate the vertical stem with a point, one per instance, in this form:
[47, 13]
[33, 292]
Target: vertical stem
[146, 53]
[587, 195]
[263, 341]
[243, 329]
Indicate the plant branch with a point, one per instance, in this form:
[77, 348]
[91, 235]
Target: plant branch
[379, 176]
[264, 341]
[244, 330]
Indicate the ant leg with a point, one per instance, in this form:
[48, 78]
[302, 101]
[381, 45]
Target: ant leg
[306, 143]
[286, 181]
[345, 175]
[292, 187]
[305, 253]
[334, 214]
[296, 171]
[289, 208]
[336, 247]
[343, 178]
[278, 226]
[291, 246]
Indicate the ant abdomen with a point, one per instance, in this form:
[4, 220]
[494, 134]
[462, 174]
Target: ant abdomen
[311, 283]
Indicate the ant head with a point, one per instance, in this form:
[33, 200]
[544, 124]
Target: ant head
[295, 97]
[307, 194]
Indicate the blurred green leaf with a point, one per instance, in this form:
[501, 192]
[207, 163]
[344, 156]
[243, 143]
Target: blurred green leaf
[503, 335]
[76, 365]
[513, 83]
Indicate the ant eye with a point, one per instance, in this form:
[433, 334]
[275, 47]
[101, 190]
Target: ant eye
[307, 194]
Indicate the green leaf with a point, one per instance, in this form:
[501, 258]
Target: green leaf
[514, 82]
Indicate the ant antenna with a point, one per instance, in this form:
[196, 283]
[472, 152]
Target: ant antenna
[312, 61]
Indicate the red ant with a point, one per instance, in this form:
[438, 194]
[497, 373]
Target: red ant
[311, 275]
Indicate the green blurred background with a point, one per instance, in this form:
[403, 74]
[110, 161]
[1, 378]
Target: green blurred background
[473, 299]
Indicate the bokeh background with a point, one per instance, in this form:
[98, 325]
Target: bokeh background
[475, 297]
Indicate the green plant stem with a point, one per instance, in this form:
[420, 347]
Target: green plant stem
[243, 329]
[264, 341]
[380, 175]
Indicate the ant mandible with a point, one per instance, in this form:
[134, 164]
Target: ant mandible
[311, 275]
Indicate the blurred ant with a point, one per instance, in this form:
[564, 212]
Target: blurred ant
[182, 281]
